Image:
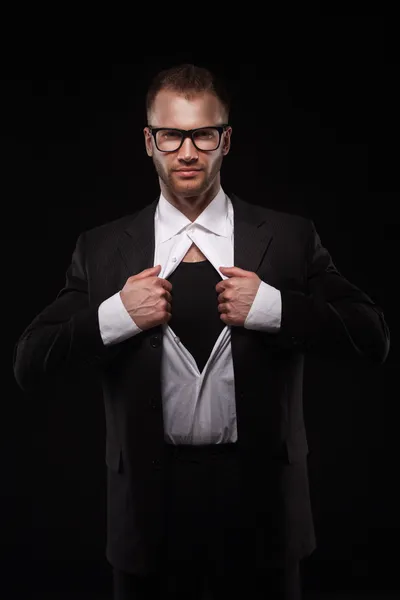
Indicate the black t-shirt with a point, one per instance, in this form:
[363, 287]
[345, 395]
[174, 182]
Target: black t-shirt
[194, 308]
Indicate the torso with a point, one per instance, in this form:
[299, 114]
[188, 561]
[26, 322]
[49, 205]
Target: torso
[194, 254]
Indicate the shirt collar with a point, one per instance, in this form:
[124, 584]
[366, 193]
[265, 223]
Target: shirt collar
[214, 217]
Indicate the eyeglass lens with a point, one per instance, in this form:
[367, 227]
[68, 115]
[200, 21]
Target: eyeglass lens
[205, 139]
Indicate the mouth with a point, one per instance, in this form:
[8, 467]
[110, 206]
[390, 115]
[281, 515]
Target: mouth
[185, 173]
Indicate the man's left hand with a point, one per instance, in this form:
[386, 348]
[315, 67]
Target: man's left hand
[236, 294]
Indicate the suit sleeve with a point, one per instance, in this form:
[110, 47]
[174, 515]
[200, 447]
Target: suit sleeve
[65, 335]
[334, 318]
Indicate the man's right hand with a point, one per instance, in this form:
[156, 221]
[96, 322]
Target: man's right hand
[147, 298]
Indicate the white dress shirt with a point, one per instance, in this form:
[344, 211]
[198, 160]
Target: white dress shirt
[198, 408]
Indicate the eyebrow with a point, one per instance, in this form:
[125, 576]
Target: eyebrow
[182, 128]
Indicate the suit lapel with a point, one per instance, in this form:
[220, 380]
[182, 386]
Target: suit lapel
[252, 238]
[137, 243]
[252, 235]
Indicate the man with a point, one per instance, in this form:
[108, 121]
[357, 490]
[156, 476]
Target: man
[197, 312]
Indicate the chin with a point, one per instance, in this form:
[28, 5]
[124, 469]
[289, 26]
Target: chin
[188, 185]
[191, 186]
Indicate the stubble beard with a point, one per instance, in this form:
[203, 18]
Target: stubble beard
[168, 178]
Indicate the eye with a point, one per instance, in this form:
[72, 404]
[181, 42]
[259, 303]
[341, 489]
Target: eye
[205, 133]
[170, 134]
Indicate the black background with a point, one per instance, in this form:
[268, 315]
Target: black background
[315, 132]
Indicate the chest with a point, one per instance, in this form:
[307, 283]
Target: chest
[194, 254]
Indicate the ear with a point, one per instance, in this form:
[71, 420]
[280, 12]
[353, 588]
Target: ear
[148, 141]
[227, 141]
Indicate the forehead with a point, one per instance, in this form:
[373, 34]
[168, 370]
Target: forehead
[171, 109]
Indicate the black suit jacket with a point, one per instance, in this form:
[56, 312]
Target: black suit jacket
[322, 312]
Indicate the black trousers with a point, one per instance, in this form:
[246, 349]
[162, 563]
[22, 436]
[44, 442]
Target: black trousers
[209, 553]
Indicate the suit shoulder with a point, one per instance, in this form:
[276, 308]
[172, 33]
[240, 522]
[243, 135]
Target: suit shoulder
[110, 229]
[279, 218]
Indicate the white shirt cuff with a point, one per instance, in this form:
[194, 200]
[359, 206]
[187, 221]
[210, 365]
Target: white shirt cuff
[266, 311]
[115, 323]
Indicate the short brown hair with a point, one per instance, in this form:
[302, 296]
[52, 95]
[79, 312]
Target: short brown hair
[188, 80]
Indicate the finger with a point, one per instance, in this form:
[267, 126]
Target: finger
[166, 284]
[148, 272]
[221, 298]
[165, 294]
[220, 287]
[234, 271]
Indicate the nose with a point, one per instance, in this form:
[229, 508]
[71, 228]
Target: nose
[188, 150]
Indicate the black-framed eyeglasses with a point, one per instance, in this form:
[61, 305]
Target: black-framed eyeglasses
[204, 138]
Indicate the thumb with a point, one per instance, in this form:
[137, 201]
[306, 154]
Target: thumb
[234, 271]
[150, 272]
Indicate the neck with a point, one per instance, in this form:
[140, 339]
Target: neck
[191, 206]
